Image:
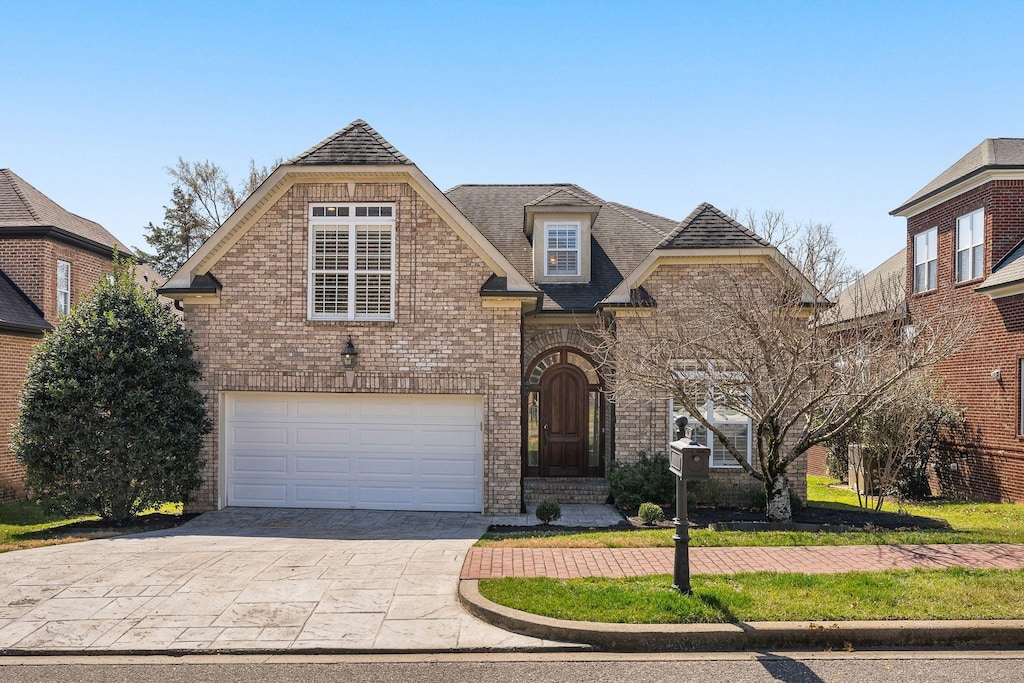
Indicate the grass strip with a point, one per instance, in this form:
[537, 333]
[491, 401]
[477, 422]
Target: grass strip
[969, 522]
[955, 593]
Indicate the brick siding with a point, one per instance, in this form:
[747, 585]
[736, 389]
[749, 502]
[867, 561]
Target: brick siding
[442, 339]
[992, 464]
[15, 352]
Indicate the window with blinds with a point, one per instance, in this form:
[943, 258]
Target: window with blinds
[561, 248]
[351, 262]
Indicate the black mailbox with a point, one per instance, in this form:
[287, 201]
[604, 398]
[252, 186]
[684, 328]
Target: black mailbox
[690, 460]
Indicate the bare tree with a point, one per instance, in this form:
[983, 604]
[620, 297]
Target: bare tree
[202, 199]
[760, 340]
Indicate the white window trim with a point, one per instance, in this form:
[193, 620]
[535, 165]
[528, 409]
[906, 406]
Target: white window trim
[350, 222]
[63, 305]
[976, 224]
[729, 462]
[923, 260]
[578, 227]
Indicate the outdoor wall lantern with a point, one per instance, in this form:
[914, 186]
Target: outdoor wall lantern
[349, 355]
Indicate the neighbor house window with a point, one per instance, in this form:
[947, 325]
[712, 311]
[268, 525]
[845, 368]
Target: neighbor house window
[351, 262]
[925, 259]
[970, 245]
[63, 287]
[561, 248]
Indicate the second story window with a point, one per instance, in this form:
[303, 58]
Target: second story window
[63, 288]
[561, 248]
[351, 262]
[925, 259]
[970, 246]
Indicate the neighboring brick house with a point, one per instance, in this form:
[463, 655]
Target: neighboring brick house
[965, 240]
[369, 341]
[49, 259]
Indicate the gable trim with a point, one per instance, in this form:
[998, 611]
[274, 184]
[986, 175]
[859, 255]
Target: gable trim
[770, 256]
[287, 175]
[965, 184]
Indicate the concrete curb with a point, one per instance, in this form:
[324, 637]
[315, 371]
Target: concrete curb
[745, 636]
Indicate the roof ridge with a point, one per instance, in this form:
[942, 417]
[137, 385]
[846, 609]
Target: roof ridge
[357, 124]
[705, 207]
[11, 176]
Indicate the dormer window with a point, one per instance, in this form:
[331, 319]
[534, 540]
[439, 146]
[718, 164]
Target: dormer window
[562, 249]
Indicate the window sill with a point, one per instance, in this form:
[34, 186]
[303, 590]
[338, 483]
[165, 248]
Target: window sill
[345, 321]
[967, 283]
[919, 295]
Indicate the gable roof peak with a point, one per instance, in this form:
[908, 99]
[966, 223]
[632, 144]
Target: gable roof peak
[990, 153]
[707, 227]
[357, 144]
[23, 206]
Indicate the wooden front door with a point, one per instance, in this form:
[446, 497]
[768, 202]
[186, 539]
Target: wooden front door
[563, 422]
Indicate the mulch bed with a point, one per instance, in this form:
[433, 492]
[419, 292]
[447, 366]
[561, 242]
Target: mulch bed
[806, 519]
[99, 527]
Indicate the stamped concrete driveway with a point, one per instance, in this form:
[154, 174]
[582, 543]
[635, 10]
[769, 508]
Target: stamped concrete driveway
[253, 578]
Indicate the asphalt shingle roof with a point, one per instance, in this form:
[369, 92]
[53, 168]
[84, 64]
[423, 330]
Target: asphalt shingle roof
[1008, 271]
[357, 143]
[708, 228]
[991, 153]
[880, 290]
[16, 309]
[621, 237]
[23, 206]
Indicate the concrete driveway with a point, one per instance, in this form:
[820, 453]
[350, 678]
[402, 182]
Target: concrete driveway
[253, 578]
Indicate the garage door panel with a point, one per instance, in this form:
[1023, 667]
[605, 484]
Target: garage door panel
[380, 436]
[259, 408]
[335, 436]
[374, 451]
[256, 494]
[319, 495]
[452, 438]
[248, 435]
[260, 463]
[305, 464]
[333, 410]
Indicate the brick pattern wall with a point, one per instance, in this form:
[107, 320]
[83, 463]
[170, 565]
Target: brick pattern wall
[992, 467]
[15, 352]
[32, 265]
[442, 339]
[816, 456]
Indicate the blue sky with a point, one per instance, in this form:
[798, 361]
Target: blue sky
[834, 112]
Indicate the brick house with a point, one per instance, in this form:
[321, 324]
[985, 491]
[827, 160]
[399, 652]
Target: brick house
[370, 341]
[965, 238]
[49, 259]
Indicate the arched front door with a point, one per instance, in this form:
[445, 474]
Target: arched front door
[563, 417]
[563, 408]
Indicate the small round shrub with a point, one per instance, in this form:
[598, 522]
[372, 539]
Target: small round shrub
[651, 514]
[548, 510]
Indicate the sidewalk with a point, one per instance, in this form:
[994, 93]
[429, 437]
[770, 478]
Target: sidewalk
[570, 563]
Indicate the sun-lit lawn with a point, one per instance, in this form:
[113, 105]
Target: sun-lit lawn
[24, 524]
[915, 594]
[969, 523]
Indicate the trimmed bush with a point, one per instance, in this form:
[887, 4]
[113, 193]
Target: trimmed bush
[548, 510]
[647, 479]
[111, 421]
[651, 514]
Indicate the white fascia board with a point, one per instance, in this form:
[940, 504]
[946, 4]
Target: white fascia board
[288, 175]
[664, 257]
[959, 188]
[1003, 290]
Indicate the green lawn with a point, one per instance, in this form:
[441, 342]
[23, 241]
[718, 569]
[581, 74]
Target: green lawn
[916, 594]
[969, 523]
[24, 524]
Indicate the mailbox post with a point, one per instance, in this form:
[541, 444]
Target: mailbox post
[687, 460]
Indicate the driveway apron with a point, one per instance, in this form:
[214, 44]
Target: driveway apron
[254, 578]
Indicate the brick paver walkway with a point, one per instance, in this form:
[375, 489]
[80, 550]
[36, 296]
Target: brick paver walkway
[569, 563]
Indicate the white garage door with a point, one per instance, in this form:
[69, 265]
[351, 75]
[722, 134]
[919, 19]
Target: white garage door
[367, 451]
